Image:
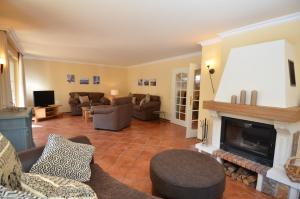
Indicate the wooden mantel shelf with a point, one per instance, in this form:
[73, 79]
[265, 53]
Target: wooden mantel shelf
[291, 114]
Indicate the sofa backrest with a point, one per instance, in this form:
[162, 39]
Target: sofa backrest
[121, 101]
[94, 96]
[139, 97]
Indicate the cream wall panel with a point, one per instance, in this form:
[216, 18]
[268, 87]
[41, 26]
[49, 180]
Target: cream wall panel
[49, 75]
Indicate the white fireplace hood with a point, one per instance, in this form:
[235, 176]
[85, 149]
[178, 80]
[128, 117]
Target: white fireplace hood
[262, 67]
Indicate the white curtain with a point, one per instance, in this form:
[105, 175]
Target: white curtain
[20, 82]
[5, 87]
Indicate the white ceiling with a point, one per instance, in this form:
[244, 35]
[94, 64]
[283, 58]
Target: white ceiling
[128, 32]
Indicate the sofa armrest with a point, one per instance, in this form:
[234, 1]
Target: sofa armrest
[31, 156]
[151, 104]
[102, 109]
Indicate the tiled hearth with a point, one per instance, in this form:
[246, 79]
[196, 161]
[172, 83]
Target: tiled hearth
[243, 162]
[264, 184]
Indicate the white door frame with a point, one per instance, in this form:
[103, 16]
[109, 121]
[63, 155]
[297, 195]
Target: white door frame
[173, 96]
[189, 102]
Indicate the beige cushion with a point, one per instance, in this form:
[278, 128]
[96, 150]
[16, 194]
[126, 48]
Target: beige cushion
[148, 98]
[45, 186]
[143, 101]
[84, 99]
[10, 165]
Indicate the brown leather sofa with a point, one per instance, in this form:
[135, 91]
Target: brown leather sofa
[115, 116]
[105, 186]
[145, 112]
[96, 98]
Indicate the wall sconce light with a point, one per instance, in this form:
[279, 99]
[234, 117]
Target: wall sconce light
[211, 70]
[1, 65]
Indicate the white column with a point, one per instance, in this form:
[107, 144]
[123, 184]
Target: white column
[284, 142]
[216, 129]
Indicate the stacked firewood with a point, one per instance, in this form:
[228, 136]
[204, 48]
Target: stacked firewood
[240, 174]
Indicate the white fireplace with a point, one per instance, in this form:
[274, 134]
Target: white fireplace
[262, 67]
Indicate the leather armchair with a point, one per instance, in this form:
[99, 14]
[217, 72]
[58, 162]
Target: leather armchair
[115, 116]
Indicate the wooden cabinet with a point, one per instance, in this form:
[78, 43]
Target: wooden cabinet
[46, 112]
[16, 127]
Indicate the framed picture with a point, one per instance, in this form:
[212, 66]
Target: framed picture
[96, 79]
[146, 82]
[84, 80]
[152, 82]
[140, 82]
[71, 78]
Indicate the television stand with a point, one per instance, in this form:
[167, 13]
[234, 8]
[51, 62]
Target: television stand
[48, 112]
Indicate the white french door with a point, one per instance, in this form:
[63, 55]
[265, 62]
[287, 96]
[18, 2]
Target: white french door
[179, 96]
[193, 97]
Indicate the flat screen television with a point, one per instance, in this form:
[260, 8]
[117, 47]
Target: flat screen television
[43, 98]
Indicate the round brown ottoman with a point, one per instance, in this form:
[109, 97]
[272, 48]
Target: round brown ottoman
[183, 174]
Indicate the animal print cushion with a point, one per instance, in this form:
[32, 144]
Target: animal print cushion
[7, 193]
[45, 186]
[64, 158]
[10, 165]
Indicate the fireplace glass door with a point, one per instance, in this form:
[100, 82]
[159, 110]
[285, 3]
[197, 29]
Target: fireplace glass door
[252, 140]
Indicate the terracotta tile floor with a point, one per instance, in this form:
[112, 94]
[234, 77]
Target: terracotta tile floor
[126, 154]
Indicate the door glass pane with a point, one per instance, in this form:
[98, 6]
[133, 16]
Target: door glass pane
[194, 124]
[195, 115]
[197, 80]
[195, 105]
[196, 95]
[182, 116]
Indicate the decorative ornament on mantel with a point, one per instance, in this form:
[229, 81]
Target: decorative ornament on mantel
[233, 99]
[253, 100]
[243, 97]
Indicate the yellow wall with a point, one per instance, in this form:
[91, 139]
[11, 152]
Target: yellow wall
[43, 75]
[162, 72]
[289, 31]
[211, 54]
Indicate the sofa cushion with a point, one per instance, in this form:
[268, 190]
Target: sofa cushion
[10, 165]
[8, 193]
[95, 97]
[64, 158]
[121, 101]
[84, 99]
[104, 101]
[55, 187]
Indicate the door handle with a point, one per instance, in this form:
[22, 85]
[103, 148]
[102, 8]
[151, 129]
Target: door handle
[191, 100]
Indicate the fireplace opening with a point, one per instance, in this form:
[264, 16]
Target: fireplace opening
[252, 140]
